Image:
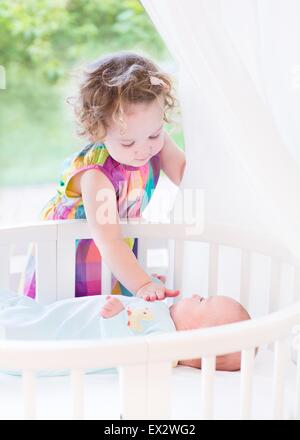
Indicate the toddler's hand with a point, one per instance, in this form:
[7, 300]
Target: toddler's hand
[153, 291]
[112, 307]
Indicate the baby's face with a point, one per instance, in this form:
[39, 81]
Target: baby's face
[143, 134]
[189, 313]
[199, 312]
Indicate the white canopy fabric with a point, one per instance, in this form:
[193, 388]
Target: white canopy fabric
[239, 90]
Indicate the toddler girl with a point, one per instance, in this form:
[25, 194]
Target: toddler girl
[121, 109]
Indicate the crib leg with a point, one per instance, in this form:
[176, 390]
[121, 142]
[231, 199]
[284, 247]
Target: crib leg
[159, 391]
[133, 389]
[29, 393]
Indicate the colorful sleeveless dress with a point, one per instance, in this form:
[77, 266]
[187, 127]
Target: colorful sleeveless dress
[69, 205]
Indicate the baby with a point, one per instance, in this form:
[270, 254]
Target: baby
[107, 316]
[195, 312]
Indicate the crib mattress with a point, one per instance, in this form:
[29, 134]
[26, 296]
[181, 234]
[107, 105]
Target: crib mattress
[102, 394]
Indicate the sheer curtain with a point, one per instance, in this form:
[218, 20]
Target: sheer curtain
[239, 90]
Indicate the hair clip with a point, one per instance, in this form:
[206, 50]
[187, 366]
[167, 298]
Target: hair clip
[157, 81]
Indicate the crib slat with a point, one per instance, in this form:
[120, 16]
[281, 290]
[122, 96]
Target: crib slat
[296, 283]
[159, 391]
[5, 267]
[274, 297]
[77, 385]
[133, 391]
[245, 277]
[178, 266]
[297, 397]
[247, 365]
[278, 380]
[65, 268]
[213, 269]
[105, 278]
[208, 365]
[29, 394]
[46, 272]
[170, 270]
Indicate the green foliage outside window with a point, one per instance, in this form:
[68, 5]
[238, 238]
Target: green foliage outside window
[41, 43]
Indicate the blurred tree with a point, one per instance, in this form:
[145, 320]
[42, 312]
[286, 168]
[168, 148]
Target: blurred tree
[41, 41]
[50, 35]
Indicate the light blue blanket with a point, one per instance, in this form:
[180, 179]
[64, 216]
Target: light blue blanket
[22, 318]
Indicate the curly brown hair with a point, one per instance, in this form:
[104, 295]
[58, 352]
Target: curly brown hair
[113, 81]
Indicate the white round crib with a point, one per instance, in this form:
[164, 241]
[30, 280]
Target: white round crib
[145, 385]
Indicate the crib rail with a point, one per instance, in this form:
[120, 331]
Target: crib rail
[53, 230]
[145, 363]
[55, 254]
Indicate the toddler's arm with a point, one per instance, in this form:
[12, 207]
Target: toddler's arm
[101, 210]
[100, 203]
[172, 160]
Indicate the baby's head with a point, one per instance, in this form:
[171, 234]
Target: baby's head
[196, 312]
[123, 101]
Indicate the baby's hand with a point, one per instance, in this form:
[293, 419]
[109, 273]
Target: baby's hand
[153, 291]
[112, 307]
